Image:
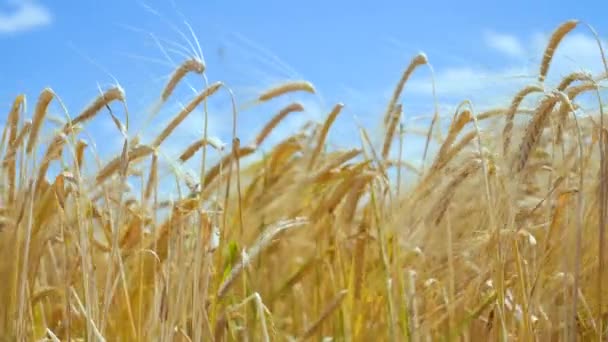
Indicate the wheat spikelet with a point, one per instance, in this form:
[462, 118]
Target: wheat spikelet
[103, 100]
[334, 199]
[214, 171]
[404, 164]
[334, 163]
[390, 131]
[260, 245]
[282, 114]
[12, 150]
[458, 123]
[53, 152]
[575, 91]
[323, 133]
[556, 38]
[506, 133]
[114, 165]
[13, 118]
[9, 160]
[41, 107]
[81, 145]
[534, 130]
[191, 65]
[195, 146]
[289, 87]
[573, 77]
[212, 89]
[450, 189]
[152, 178]
[417, 61]
[329, 309]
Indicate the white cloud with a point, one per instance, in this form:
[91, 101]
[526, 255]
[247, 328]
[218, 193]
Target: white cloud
[505, 43]
[24, 16]
[494, 86]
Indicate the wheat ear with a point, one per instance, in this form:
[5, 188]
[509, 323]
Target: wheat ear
[39, 113]
[534, 130]
[193, 65]
[556, 38]
[103, 100]
[323, 133]
[282, 114]
[519, 97]
[418, 60]
[390, 131]
[212, 89]
[289, 87]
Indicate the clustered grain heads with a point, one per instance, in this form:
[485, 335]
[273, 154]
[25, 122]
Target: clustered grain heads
[303, 240]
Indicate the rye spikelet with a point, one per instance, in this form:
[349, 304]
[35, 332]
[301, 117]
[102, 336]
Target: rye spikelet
[556, 38]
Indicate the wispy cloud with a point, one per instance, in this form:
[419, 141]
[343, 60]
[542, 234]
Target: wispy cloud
[505, 43]
[492, 85]
[24, 16]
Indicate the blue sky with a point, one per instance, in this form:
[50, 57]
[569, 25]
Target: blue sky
[353, 52]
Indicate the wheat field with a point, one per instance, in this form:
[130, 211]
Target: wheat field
[499, 235]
